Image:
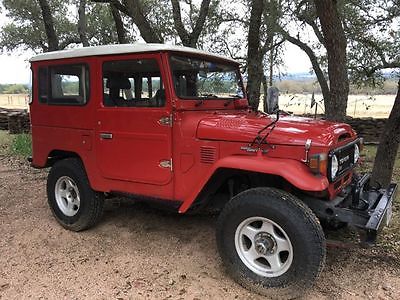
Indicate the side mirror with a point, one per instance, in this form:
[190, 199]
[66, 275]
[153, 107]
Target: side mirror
[272, 101]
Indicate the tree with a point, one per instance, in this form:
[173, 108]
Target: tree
[47, 17]
[374, 47]
[119, 24]
[254, 54]
[160, 21]
[260, 22]
[32, 26]
[324, 19]
[47, 25]
[335, 42]
[82, 23]
[190, 39]
[388, 147]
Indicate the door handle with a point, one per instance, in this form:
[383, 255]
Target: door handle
[106, 136]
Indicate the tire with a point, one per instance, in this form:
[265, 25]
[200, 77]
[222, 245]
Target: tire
[71, 199]
[264, 225]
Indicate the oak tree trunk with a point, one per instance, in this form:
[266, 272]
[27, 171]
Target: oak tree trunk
[388, 146]
[190, 39]
[254, 55]
[82, 23]
[335, 44]
[135, 11]
[119, 25]
[52, 39]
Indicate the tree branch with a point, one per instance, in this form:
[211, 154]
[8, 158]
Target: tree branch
[314, 62]
[180, 28]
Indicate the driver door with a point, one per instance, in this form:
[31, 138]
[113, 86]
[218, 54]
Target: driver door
[134, 140]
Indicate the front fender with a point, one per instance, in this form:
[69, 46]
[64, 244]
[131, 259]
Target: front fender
[295, 172]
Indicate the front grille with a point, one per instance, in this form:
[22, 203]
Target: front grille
[345, 156]
[345, 159]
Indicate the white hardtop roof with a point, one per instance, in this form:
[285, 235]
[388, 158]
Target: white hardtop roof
[121, 49]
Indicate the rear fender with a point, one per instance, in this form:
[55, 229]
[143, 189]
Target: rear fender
[295, 172]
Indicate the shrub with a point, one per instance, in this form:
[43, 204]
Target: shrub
[22, 144]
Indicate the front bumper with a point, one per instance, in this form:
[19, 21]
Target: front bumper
[359, 206]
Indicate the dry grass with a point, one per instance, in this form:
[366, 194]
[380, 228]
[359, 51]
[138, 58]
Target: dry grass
[14, 101]
[378, 106]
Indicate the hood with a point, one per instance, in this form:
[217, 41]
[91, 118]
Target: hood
[288, 130]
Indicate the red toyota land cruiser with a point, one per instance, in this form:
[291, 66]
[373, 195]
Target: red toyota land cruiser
[172, 125]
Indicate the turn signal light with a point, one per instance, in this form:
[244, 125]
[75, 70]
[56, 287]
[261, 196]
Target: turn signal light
[318, 163]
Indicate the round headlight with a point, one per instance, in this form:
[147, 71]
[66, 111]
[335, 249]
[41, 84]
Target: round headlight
[334, 166]
[356, 153]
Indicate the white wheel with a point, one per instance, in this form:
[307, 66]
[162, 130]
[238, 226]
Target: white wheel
[263, 246]
[74, 204]
[67, 196]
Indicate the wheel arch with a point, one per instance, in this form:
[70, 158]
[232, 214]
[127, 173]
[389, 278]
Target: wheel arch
[291, 172]
[57, 155]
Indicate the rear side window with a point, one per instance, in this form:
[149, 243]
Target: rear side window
[64, 85]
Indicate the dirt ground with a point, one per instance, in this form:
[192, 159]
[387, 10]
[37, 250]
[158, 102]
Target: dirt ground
[137, 252]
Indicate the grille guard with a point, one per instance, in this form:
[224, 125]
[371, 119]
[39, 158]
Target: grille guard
[364, 208]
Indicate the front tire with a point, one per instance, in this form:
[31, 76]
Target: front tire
[74, 204]
[271, 243]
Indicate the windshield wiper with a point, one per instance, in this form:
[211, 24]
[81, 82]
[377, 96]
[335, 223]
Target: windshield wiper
[261, 139]
[209, 95]
[233, 98]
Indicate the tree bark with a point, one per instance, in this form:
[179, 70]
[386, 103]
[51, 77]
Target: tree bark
[82, 23]
[119, 24]
[52, 39]
[190, 39]
[388, 147]
[254, 55]
[147, 32]
[335, 44]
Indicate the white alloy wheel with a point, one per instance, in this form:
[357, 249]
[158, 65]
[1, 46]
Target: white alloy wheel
[263, 246]
[67, 196]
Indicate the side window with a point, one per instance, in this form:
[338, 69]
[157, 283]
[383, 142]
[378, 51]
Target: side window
[64, 85]
[133, 83]
[43, 85]
[69, 84]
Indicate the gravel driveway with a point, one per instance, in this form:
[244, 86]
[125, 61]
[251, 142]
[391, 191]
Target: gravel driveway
[137, 252]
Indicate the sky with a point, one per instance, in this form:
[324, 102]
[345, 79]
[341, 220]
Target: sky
[14, 67]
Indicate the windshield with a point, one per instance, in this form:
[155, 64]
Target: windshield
[202, 79]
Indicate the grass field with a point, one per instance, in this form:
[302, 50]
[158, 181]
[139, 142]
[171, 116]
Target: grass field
[19, 145]
[378, 106]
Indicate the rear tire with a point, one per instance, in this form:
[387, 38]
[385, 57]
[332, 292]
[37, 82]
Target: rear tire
[271, 243]
[74, 204]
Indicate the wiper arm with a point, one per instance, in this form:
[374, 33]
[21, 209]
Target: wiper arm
[258, 139]
[209, 95]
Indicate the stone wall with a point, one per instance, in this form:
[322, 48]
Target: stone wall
[14, 120]
[368, 128]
